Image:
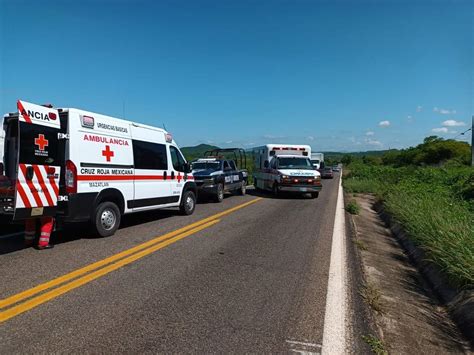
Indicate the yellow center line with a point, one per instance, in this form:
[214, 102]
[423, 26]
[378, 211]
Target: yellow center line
[91, 267]
[47, 296]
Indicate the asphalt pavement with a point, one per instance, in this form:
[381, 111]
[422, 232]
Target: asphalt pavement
[253, 280]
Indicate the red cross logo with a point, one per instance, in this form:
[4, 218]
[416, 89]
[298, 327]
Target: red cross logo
[179, 177]
[41, 142]
[107, 153]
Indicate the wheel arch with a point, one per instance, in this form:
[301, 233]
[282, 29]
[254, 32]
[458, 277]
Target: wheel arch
[111, 195]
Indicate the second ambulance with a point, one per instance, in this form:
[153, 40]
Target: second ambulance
[283, 167]
[76, 165]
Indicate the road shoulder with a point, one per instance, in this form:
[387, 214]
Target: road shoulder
[407, 314]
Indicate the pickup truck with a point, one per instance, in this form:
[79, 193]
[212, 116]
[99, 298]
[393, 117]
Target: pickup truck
[215, 175]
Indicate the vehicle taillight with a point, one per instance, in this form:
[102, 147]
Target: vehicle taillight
[71, 177]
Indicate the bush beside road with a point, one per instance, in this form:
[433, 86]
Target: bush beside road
[435, 205]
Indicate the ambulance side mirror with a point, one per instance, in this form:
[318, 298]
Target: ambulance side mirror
[1, 169]
[187, 168]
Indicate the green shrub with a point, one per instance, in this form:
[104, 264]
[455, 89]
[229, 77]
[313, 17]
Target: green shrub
[353, 207]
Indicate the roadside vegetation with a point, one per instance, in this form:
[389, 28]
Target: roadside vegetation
[353, 207]
[429, 190]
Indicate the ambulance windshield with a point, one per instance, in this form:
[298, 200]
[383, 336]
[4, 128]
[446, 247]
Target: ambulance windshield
[294, 163]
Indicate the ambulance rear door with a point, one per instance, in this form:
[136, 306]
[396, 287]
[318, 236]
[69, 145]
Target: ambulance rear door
[39, 161]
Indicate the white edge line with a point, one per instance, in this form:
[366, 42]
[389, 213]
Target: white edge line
[334, 333]
[313, 345]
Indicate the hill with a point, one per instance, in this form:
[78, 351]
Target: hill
[191, 153]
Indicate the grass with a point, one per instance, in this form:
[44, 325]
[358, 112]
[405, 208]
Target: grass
[359, 244]
[372, 296]
[376, 345]
[435, 206]
[353, 207]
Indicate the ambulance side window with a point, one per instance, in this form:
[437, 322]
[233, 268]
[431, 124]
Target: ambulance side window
[150, 156]
[177, 159]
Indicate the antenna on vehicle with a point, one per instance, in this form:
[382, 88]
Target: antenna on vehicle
[164, 127]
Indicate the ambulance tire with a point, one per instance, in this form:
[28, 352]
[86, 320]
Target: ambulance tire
[188, 204]
[219, 196]
[106, 219]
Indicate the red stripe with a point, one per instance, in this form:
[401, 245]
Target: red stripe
[52, 181]
[22, 194]
[31, 186]
[22, 109]
[43, 185]
[122, 177]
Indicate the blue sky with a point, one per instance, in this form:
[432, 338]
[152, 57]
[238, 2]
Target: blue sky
[339, 75]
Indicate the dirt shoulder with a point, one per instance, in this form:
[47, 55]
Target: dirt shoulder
[407, 314]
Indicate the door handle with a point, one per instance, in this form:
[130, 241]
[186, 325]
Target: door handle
[172, 175]
[165, 175]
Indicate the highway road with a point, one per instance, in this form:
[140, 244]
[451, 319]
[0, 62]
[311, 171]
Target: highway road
[247, 275]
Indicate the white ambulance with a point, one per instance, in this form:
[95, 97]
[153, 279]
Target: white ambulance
[77, 166]
[283, 167]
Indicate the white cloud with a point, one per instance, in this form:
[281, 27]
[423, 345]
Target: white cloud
[369, 133]
[443, 111]
[310, 138]
[453, 123]
[228, 142]
[419, 108]
[384, 123]
[410, 119]
[373, 142]
[440, 130]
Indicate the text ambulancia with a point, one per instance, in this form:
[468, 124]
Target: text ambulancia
[77, 166]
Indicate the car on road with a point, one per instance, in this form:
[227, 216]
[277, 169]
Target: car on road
[216, 176]
[336, 168]
[327, 173]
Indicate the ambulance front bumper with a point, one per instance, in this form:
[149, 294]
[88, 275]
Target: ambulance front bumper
[301, 188]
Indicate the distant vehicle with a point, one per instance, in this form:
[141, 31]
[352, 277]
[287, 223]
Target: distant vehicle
[281, 167]
[317, 160]
[327, 173]
[215, 175]
[336, 168]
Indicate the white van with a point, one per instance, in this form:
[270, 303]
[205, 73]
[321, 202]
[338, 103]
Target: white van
[77, 165]
[283, 167]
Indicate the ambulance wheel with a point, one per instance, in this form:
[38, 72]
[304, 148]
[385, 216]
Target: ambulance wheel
[314, 194]
[188, 203]
[106, 219]
[219, 197]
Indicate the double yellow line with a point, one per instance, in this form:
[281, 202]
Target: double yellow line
[33, 297]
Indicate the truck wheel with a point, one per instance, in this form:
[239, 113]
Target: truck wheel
[106, 219]
[315, 194]
[188, 203]
[275, 189]
[219, 197]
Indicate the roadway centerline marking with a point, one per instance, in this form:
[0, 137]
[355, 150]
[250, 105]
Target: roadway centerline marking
[45, 297]
[91, 267]
[334, 332]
